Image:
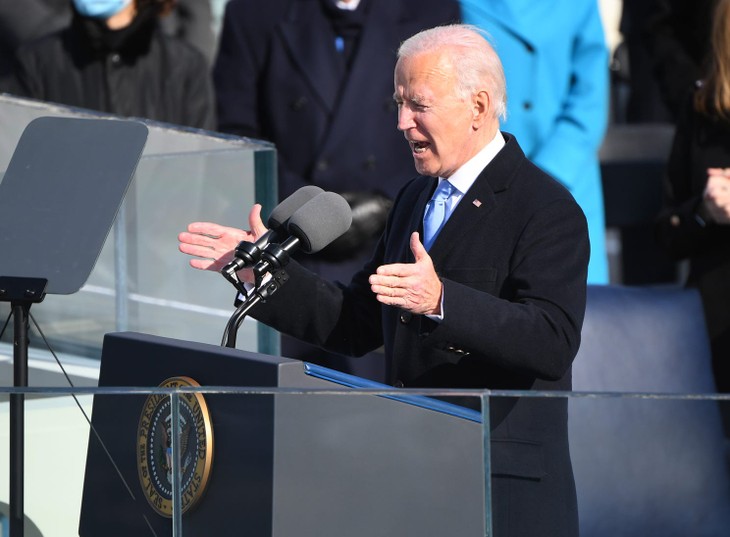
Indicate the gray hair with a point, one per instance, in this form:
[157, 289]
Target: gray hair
[475, 61]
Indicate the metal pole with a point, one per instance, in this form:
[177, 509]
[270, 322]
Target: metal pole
[175, 432]
[17, 419]
[487, 439]
[121, 280]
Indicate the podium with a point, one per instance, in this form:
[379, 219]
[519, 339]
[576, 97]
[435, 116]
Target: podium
[284, 462]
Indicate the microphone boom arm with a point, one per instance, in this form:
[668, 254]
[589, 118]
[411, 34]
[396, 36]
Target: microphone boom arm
[260, 293]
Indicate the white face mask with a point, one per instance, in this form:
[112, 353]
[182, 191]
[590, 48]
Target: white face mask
[100, 9]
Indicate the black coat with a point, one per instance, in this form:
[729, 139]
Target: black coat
[21, 22]
[513, 260]
[147, 75]
[277, 77]
[678, 40]
[700, 143]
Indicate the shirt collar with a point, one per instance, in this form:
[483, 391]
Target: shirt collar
[349, 6]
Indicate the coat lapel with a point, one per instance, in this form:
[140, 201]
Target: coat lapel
[309, 40]
[478, 201]
[476, 204]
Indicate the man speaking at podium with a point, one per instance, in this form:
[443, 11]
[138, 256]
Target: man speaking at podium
[478, 281]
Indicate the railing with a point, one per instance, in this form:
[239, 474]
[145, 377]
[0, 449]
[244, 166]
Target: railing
[331, 461]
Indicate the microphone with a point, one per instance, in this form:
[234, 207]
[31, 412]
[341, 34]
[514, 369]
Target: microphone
[248, 253]
[312, 227]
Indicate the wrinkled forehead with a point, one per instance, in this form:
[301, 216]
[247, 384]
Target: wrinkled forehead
[433, 70]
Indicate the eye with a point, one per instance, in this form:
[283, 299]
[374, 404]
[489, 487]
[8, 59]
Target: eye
[418, 105]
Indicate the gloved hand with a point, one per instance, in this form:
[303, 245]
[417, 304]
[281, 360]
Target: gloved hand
[369, 214]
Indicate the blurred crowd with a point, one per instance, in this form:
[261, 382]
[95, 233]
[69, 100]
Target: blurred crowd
[315, 77]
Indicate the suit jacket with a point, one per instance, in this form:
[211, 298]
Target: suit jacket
[513, 260]
[557, 85]
[277, 77]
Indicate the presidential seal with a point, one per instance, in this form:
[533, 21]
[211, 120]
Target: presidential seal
[154, 447]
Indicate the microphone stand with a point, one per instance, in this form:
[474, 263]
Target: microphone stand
[274, 258]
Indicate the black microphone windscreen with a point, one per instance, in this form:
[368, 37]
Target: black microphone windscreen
[282, 212]
[320, 221]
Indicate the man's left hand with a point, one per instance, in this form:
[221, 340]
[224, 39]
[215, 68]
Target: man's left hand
[411, 286]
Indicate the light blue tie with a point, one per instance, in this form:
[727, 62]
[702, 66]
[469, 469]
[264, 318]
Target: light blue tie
[437, 212]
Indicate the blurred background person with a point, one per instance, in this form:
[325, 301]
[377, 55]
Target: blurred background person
[24, 21]
[194, 21]
[555, 59]
[695, 222]
[315, 77]
[678, 41]
[114, 58]
[632, 65]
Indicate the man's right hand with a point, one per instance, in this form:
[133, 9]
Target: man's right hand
[213, 246]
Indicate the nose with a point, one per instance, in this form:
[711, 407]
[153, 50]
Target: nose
[405, 118]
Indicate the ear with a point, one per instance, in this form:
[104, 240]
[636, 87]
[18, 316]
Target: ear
[482, 108]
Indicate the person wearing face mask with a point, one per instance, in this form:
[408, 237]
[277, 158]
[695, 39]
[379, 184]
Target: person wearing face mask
[114, 58]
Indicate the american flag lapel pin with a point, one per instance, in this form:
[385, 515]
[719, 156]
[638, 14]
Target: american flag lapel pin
[477, 203]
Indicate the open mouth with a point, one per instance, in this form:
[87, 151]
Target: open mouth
[419, 147]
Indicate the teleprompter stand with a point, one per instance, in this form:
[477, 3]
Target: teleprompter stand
[58, 200]
[21, 293]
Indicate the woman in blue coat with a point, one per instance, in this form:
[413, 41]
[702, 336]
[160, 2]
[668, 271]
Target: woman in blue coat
[556, 63]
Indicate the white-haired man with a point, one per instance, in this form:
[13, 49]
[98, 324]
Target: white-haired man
[495, 302]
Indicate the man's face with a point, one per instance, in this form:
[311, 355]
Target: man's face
[434, 120]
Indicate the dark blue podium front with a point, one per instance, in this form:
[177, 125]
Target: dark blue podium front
[284, 464]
